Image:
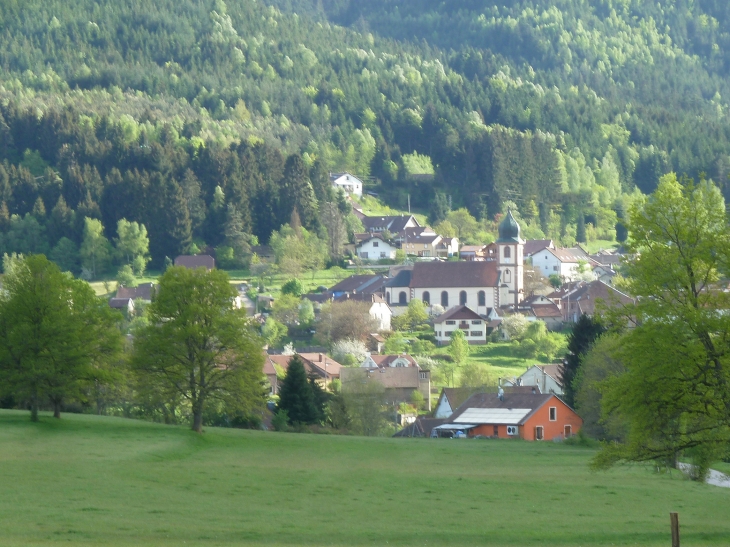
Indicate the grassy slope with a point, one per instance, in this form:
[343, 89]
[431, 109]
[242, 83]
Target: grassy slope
[87, 480]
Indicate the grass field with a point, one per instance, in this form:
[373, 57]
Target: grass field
[87, 480]
[500, 359]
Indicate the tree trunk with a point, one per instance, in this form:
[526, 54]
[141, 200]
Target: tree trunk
[198, 420]
[57, 409]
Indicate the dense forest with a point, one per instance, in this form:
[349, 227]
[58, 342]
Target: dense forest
[211, 122]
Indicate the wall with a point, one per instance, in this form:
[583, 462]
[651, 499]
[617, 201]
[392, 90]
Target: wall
[373, 252]
[442, 331]
[551, 430]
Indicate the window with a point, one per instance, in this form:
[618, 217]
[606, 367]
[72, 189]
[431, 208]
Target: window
[555, 268]
[475, 333]
[462, 298]
[507, 252]
[444, 299]
[387, 297]
[476, 321]
[402, 297]
[568, 431]
[482, 296]
[376, 243]
[538, 433]
[423, 375]
[364, 254]
[382, 254]
[508, 276]
[451, 322]
[553, 413]
[447, 333]
[426, 298]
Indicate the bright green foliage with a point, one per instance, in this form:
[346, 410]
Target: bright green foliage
[125, 276]
[273, 331]
[296, 252]
[286, 309]
[537, 342]
[54, 333]
[395, 344]
[95, 248]
[133, 245]
[675, 392]
[199, 344]
[459, 347]
[306, 312]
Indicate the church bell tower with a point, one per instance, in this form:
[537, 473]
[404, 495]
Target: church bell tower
[510, 262]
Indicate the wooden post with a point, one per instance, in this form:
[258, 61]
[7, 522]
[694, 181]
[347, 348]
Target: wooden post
[674, 520]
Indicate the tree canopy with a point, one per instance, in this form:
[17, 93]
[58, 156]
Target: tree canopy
[199, 344]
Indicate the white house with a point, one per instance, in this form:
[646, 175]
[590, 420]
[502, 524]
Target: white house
[374, 247]
[389, 361]
[563, 262]
[350, 184]
[460, 317]
[546, 377]
[379, 309]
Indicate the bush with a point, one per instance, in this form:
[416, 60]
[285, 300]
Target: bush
[293, 287]
[280, 421]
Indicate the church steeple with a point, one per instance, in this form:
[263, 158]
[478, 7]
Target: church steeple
[510, 261]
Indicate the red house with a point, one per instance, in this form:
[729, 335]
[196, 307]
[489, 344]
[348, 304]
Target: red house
[532, 417]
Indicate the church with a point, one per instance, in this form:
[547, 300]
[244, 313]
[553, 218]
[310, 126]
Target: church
[478, 285]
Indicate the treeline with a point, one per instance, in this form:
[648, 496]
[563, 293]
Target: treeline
[143, 110]
[182, 192]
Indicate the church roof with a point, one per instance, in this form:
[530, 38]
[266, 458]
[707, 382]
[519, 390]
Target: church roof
[509, 230]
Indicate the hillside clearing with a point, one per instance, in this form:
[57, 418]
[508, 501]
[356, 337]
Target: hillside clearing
[87, 480]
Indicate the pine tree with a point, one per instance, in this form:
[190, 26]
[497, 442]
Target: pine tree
[585, 332]
[296, 395]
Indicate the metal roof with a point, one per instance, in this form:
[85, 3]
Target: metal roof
[456, 427]
[507, 416]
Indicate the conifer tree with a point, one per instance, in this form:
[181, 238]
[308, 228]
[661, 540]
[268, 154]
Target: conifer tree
[296, 395]
[585, 333]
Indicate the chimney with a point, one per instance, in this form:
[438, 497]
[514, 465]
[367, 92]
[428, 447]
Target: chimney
[321, 358]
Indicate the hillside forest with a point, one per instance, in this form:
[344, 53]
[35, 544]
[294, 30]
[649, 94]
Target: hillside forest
[214, 123]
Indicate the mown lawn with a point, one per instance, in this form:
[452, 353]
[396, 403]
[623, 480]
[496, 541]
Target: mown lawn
[87, 480]
[500, 359]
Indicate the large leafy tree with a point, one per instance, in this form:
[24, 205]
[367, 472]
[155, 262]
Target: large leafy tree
[199, 345]
[675, 392]
[55, 334]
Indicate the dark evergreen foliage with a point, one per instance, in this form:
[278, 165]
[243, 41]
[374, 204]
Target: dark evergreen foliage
[585, 333]
[296, 395]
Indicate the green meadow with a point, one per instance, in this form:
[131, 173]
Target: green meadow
[87, 480]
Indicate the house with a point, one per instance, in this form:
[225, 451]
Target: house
[534, 246]
[193, 262]
[324, 368]
[143, 291]
[472, 253]
[419, 241]
[399, 383]
[563, 262]
[547, 378]
[532, 417]
[125, 305]
[355, 284]
[374, 247]
[447, 247]
[379, 310]
[375, 342]
[389, 361]
[605, 273]
[452, 398]
[541, 308]
[581, 298]
[471, 323]
[393, 224]
[348, 183]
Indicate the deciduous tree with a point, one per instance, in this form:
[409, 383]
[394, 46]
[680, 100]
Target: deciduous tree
[199, 344]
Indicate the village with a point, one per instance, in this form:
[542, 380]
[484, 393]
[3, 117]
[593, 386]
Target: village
[472, 290]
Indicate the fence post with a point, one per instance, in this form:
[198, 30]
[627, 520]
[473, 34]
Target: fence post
[674, 520]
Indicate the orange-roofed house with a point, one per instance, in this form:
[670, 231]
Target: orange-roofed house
[532, 417]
